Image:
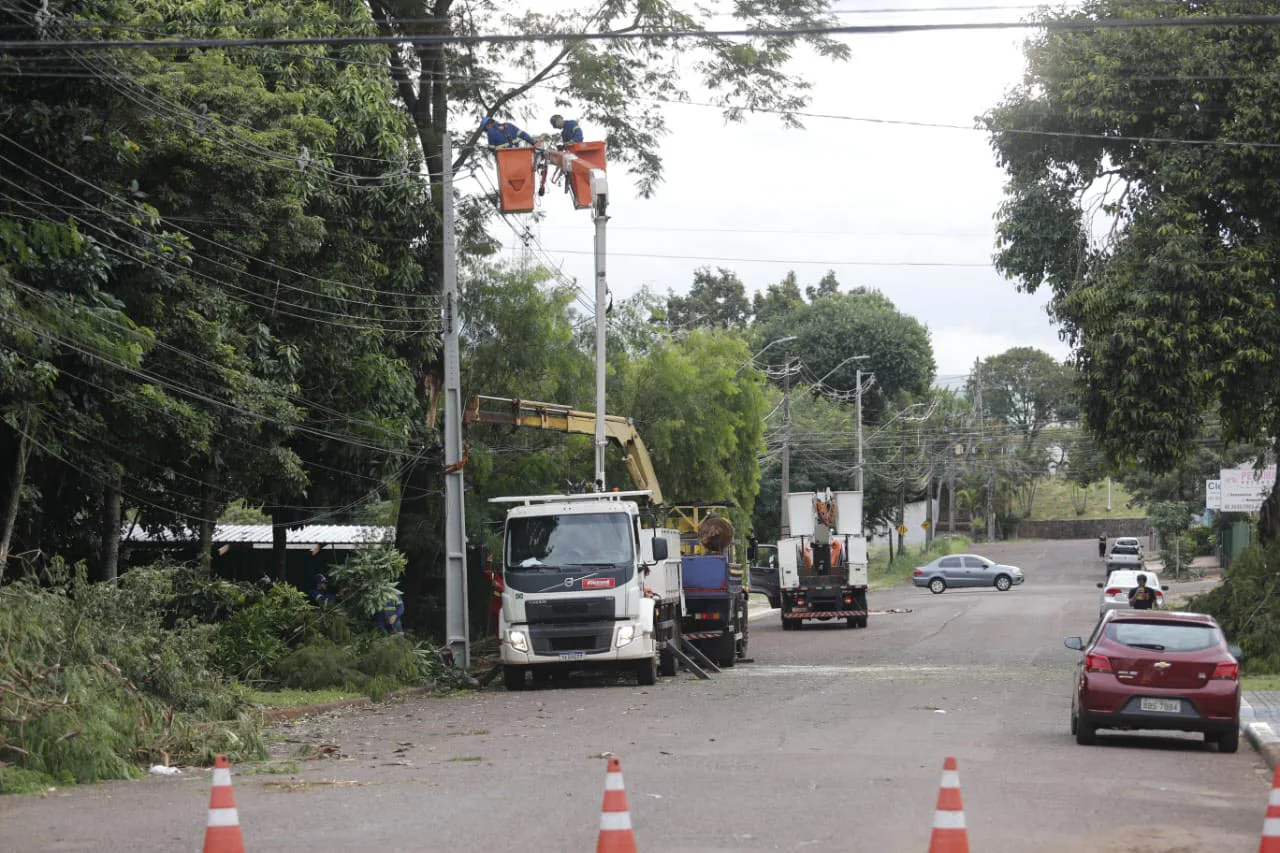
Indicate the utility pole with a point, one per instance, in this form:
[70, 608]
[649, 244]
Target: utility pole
[858, 377]
[457, 628]
[991, 516]
[902, 491]
[784, 519]
[599, 206]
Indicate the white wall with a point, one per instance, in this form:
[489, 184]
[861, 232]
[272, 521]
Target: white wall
[914, 516]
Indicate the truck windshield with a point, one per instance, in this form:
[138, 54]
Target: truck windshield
[572, 552]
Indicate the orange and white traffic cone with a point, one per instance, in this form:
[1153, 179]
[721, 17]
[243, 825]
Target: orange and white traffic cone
[949, 833]
[615, 817]
[1271, 823]
[222, 832]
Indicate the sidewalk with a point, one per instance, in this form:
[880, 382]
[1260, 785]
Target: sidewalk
[1259, 719]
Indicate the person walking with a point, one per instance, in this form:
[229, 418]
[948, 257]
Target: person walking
[1102, 544]
[1142, 597]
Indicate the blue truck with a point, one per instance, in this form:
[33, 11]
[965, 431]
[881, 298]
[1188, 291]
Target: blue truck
[715, 601]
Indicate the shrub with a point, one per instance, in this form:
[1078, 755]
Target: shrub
[391, 658]
[1247, 606]
[96, 684]
[262, 632]
[319, 665]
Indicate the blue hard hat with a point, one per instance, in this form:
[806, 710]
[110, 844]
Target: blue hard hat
[486, 120]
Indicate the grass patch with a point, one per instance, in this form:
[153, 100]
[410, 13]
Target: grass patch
[295, 698]
[1260, 682]
[1053, 502]
[882, 574]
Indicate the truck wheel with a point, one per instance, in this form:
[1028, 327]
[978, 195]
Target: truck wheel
[728, 651]
[667, 665]
[788, 624]
[513, 677]
[852, 621]
[647, 672]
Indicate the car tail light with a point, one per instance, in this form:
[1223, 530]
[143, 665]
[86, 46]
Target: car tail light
[1097, 663]
[918, 572]
[1114, 590]
[1228, 670]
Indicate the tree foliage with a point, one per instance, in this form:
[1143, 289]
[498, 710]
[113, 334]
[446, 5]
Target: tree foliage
[1025, 388]
[1172, 314]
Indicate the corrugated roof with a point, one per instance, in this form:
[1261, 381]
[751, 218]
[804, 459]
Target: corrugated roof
[244, 534]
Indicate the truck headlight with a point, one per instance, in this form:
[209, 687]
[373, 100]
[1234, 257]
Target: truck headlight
[626, 634]
[518, 641]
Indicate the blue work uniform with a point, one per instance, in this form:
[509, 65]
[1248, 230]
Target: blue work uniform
[506, 133]
[570, 131]
[390, 617]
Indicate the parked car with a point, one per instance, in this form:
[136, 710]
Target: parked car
[1124, 557]
[961, 570]
[1146, 669]
[1129, 542]
[1115, 592]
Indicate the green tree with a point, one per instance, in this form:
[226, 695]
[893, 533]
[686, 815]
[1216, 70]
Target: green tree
[1173, 315]
[864, 322]
[777, 300]
[1025, 388]
[717, 300]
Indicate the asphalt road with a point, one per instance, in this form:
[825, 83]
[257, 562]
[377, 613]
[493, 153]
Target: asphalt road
[831, 740]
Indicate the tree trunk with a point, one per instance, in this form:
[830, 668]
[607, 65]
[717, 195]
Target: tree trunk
[110, 554]
[280, 543]
[18, 475]
[951, 504]
[207, 522]
[1269, 515]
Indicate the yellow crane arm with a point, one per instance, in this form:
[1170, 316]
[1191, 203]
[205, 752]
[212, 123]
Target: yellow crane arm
[557, 418]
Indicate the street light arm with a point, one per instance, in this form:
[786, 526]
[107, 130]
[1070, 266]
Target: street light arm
[762, 349]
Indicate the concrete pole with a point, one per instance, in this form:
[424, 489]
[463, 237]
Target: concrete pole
[784, 519]
[859, 398]
[457, 628]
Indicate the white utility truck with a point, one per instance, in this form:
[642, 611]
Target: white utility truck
[814, 588]
[585, 586]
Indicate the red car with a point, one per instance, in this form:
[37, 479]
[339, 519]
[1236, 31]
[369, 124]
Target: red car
[1147, 669]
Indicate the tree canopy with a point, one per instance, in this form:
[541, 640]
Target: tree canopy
[1137, 192]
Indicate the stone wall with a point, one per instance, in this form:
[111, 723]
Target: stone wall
[1084, 528]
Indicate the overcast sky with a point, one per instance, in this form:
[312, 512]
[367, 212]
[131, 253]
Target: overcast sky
[898, 207]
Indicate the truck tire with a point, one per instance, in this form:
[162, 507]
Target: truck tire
[513, 677]
[667, 665]
[647, 672]
[727, 650]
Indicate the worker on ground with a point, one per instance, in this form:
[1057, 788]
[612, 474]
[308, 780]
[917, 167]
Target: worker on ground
[1102, 544]
[391, 617]
[1142, 597]
[504, 134]
[570, 130]
[319, 592]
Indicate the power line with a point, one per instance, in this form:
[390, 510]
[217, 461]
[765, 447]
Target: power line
[499, 39]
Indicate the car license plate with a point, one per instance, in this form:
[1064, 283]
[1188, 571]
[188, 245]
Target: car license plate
[1162, 706]
[575, 656]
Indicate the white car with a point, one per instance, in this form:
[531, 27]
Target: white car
[1115, 592]
[1129, 542]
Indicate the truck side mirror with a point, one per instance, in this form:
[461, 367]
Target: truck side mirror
[659, 548]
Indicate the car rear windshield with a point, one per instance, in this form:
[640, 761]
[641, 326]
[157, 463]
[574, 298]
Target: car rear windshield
[1125, 549]
[1164, 636]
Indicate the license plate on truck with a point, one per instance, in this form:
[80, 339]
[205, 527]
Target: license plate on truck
[572, 655]
[1162, 706]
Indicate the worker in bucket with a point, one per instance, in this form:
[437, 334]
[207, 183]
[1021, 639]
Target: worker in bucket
[504, 134]
[570, 130]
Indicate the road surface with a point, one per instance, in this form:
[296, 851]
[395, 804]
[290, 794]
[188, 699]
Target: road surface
[831, 740]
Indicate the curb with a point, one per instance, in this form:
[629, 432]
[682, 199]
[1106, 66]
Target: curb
[276, 715]
[1261, 736]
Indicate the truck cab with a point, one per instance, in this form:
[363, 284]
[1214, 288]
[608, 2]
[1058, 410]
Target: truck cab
[585, 586]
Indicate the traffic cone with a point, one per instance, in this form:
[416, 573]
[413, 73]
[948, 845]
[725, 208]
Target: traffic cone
[222, 832]
[1271, 824]
[615, 818]
[949, 834]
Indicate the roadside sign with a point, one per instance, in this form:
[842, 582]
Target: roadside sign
[902, 530]
[1213, 494]
[1244, 489]
[926, 525]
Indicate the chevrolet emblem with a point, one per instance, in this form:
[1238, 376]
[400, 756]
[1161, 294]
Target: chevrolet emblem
[1163, 665]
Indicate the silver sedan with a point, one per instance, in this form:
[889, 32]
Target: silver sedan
[961, 570]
